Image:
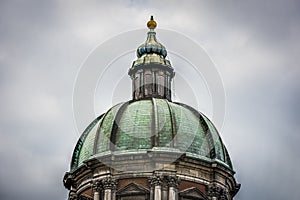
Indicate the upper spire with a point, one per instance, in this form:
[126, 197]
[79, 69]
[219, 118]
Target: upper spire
[151, 24]
[151, 45]
[151, 72]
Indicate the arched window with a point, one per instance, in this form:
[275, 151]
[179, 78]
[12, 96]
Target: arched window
[137, 86]
[148, 83]
[161, 83]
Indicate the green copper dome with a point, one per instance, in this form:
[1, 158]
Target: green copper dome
[151, 124]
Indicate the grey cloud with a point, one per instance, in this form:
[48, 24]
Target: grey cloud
[254, 44]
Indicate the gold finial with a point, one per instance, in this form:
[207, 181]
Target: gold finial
[151, 24]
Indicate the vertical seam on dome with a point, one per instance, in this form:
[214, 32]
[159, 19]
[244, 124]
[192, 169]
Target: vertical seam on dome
[155, 135]
[142, 83]
[152, 125]
[173, 122]
[78, 147]
[165, 85]
[223, 147]
[98, 132]
[207, 132]
[227, 157]
[222, 144]
[115, 127]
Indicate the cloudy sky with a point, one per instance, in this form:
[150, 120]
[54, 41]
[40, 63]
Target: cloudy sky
[254, 44]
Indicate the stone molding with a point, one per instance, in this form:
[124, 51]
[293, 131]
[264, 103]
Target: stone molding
[72, 196]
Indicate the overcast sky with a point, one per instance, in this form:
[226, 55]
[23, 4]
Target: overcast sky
[255, 45]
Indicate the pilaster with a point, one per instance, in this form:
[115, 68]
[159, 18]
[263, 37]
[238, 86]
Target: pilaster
[109, 187]
[156, 184]
[173, 182]
[97, 187]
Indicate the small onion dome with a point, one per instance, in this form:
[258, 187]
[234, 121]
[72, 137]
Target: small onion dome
[151, 45]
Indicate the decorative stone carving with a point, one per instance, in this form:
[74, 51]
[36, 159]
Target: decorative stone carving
[224, 195]
[156, 183]
[172, 181]
[109, 183]
[97, 186]
[216, 191]
[155, 180]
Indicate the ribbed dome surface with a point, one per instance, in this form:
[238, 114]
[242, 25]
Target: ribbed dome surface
[151, 124]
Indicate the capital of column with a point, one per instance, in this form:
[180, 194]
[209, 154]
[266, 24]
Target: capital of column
[155, 180]
[109, 183]
[173, 181]
[97, 186]
[217, 191]
[224, 195]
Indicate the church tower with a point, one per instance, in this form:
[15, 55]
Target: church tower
[151, 148]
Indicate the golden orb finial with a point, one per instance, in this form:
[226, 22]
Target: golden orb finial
[151, 24]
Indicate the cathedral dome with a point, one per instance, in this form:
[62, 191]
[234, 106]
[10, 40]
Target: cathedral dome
[151, 125]
[151, 147]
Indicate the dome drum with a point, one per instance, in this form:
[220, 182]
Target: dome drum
[198, 172]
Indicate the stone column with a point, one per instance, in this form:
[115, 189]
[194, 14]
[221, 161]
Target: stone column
[151, 192]
[173, 182]
[164, 191]
[156, 183]
[157, 192]
[109, 186]
[114, 191]
[96, 190]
